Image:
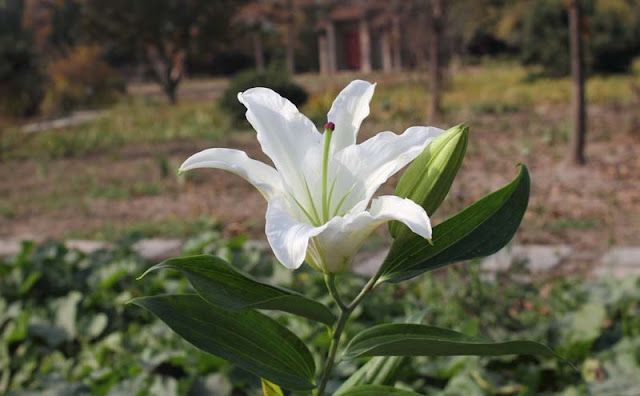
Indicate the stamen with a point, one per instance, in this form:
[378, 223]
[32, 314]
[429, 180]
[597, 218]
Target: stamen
[344, 197]
[307, 214]
[333, 185]
[310, 197]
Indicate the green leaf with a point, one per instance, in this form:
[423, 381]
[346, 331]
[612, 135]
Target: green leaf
[270, 389]
[29, 282]
[381, 370]
[479, 230]
[377, 390]
[218, 283]
[396, 339]
[429, 177]
[248, 339]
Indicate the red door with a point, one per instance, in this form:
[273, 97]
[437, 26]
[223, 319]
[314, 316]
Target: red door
[351, 47]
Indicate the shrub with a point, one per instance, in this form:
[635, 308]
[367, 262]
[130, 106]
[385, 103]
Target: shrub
[615, 28]
[21, 79]
[545, 37]
[81, 80]
[273, 78]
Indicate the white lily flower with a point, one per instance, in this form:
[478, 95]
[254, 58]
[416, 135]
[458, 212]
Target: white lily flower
[321, 185]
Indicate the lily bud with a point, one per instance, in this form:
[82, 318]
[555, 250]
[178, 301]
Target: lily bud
[428, 180]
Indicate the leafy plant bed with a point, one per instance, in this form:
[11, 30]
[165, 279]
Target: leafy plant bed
[65, 327]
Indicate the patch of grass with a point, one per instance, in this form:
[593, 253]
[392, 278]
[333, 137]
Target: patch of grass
[165, 228]
[574, 224]
[492, 88]
[125, 192]
[109, 192]
[6, 211]
[132, 121]
[556, 134]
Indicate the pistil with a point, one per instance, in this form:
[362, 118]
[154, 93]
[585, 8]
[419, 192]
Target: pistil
[328, 131]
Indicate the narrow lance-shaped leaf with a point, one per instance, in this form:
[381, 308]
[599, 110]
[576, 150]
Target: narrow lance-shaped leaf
[248, 339]
[429, 177]
[378, 390]
[218, 283]
[479, 230]
[380, 370]
[422, 340]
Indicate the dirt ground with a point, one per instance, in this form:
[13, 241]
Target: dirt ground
[591, 207]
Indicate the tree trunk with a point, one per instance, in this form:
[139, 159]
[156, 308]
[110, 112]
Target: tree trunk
[323, 54]
[331, 48]
[168, 64]
[172, 92]
[397, 43]
[258, 52]
[365, 46]
[387, 63]
[291, 39]
[436, 27]
[578, 112]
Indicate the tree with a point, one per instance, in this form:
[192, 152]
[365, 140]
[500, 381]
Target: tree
[21, 77]
[576, 147]
[253, 19]
[162, 34]
[436, 28]
[259, 17]
[540, 29]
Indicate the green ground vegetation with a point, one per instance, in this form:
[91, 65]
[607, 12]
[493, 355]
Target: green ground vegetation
[65, 327]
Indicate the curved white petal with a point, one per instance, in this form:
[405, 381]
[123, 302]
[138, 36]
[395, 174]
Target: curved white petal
[344, 236]
[285, 134]
[362, 169]
[262, 176]
[348, 111]
[288, 237]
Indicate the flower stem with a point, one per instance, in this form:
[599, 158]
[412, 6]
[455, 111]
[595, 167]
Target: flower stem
[345, 312]
[329, 279]
[333, 349]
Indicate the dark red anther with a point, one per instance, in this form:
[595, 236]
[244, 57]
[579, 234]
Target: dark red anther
[330, 126]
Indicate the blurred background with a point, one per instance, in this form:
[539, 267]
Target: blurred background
[102, 100]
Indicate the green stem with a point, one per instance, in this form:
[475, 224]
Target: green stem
[333, 349]
[345, 312]
[329, 279]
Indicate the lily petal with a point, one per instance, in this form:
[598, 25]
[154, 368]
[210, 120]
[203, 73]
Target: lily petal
[285, 134]
[348, 111]
[344, 236]
[288, 237]
[264, 177]
[364, 168]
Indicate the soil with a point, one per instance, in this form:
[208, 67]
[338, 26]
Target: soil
[590, 207]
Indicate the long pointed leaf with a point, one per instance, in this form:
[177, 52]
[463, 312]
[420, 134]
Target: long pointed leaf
[378, 390]
[248, 339]
[381, 370]
[422, 340]
[218, 283]
[480, 230]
